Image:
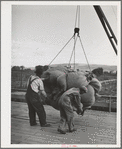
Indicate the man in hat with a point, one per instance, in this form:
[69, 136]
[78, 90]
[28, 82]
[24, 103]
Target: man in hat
[69, 102]
[35, 95]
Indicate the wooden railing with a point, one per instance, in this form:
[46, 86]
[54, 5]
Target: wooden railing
[108, 101]
[18, 89]
[108, 81]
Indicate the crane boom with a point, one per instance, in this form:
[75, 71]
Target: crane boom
[106, 27]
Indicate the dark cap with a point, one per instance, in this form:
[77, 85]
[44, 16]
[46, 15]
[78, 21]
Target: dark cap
[39, 70]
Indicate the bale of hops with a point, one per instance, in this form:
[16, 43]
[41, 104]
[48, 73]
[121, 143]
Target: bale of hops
[52, 76]
[96, 84]
[76, 79]
[53, 73]
[88, 99]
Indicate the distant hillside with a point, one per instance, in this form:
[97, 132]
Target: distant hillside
[92, 66]
[85, 67]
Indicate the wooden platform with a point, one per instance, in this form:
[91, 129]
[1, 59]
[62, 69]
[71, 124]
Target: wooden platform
[95, 127]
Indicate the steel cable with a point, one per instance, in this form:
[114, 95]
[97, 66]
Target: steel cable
[61, 50]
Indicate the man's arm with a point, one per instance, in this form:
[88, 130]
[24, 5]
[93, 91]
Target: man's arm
[42, 96]
[78, 101]
[80, 109]
[42, 92]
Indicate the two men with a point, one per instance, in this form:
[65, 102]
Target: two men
[68, 103]
[35, 95]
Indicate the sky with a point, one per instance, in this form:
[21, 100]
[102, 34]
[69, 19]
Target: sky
[39, 32]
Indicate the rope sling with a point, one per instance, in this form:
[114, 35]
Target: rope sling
[75, 37]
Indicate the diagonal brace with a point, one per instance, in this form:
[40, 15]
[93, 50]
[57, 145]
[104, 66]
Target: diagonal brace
[106, 27]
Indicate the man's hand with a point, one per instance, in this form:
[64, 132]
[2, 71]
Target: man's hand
[42, 96]
[80, 112]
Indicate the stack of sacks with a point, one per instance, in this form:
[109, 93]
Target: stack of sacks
[59, 79]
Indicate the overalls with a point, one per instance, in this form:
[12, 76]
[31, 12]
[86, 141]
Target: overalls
[34, 105]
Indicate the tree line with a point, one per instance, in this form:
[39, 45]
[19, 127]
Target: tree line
[19, 68]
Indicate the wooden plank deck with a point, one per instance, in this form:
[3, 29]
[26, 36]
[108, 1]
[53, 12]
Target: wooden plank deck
[95, 127]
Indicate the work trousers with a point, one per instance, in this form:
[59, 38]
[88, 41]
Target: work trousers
[35, 106]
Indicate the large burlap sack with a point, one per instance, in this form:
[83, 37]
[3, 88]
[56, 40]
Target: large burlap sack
[71, 79]
[51, 76]
[88, 99]
[76, 79]
[96, 84]
[53, 73]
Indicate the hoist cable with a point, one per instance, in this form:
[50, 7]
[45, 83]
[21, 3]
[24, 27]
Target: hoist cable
[73, 50]
[61, 50]
[74, 53]
[76, 16]
[85, 54]
[79, 18]
[76, 31]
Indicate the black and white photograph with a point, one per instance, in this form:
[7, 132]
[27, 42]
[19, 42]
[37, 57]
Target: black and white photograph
[60, 74]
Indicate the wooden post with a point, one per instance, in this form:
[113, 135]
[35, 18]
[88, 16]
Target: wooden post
[110, 104]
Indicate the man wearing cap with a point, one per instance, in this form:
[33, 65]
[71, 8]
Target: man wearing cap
[69, 102]
[35, 95]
